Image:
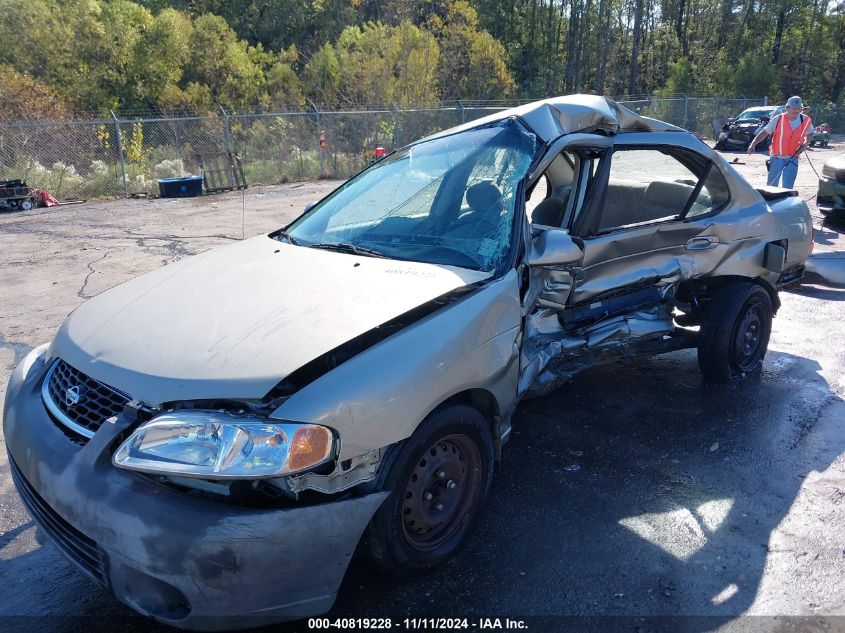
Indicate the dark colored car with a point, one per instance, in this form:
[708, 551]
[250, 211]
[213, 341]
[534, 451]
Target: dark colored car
[739, 131]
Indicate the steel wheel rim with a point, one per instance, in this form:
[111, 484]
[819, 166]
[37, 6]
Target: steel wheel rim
[442, 490]
[748, 337]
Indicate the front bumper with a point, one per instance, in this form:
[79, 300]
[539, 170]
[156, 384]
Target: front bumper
[737, 142]
[737, 138]
[184, 560]
[831, 196]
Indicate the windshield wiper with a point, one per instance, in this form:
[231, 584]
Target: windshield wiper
[290, 238]
[343, 247]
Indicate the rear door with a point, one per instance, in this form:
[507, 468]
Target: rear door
[651, 224]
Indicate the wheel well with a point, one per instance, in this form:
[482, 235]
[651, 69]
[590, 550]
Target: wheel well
[704, 289]
[480, 399]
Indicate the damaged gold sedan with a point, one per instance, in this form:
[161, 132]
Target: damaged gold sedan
[211, 441]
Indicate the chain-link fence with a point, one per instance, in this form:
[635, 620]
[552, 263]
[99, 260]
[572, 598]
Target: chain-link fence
[703, 116]
[122, 156]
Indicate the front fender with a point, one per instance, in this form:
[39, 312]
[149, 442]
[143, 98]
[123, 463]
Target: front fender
[379, 397]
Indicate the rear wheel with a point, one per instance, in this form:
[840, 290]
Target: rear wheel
[735, 332]
[438, 483]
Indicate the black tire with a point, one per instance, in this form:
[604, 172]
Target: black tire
[735, 332]
[403, 537]
[720, 146]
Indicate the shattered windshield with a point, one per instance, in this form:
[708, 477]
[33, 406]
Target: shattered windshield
[759, 113]
[446, 201]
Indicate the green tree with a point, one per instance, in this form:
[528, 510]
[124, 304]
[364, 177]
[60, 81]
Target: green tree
[224, 63]
[22, 98]
[473, 64]
[754, 76]
[161, 56]
[375, 64]
[284, 89]
[322, 75]
[681, 79]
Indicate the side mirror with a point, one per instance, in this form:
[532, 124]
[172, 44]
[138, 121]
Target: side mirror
[310, 206]
[553, 247]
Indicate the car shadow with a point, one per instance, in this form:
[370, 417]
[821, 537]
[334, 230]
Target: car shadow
[817, 292]
[834, 220]
[826, 270]
[824, 237]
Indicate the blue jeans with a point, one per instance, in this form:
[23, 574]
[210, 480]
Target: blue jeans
[787, 168]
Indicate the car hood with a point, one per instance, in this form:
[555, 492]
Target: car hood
[231, 323]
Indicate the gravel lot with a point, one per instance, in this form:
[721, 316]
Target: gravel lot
[634, 490]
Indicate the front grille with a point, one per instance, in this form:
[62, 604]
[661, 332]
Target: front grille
[81, 550]
[740, 135]
[79, 402]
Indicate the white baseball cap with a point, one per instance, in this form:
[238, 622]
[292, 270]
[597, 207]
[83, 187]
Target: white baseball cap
[794, 102]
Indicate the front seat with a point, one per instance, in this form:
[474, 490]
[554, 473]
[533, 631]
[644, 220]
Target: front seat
[550, 211]
[483, 196]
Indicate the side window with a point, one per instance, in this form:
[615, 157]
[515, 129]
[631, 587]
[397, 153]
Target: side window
[551, 197]
[713, 195]
[540, 192]
[645, 185]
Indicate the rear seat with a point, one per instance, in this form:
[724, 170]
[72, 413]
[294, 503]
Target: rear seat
[620, 203]
[635, 202]
[665, 198]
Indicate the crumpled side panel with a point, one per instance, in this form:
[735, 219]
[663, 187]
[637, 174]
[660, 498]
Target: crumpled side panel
[549, 288]
[551, 356]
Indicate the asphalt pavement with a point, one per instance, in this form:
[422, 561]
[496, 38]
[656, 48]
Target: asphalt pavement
[635, 497]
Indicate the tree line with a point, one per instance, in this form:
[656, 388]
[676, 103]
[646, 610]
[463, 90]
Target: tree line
[65, 57]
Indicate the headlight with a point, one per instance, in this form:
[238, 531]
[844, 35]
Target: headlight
[216, 445]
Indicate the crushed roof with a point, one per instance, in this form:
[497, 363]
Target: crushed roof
[557, 116]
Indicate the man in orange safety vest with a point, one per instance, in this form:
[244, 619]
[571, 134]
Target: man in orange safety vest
[789, 131]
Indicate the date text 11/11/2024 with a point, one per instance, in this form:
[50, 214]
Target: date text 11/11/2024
[416, 624]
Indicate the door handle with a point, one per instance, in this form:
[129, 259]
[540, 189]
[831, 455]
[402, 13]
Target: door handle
[702, 243]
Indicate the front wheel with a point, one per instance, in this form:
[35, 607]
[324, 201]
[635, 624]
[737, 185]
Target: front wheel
[438, 483]
[735, 332]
